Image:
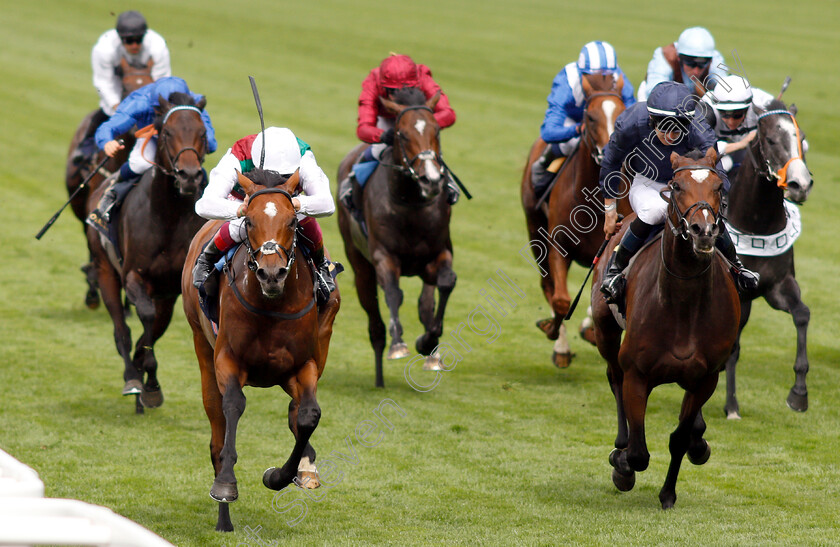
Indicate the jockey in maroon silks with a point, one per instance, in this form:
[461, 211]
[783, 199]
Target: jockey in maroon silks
[375, 124]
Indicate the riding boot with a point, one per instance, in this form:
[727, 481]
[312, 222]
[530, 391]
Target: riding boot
[545, 169]
[745, 280]
[612, 285]
[205, 263]
[326, 284]
[345, 192]
[113, 196]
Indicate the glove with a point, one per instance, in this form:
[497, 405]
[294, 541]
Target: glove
[387, 137]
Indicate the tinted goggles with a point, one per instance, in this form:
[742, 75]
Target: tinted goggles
[695, 62]
[128, 40]
[733, 114]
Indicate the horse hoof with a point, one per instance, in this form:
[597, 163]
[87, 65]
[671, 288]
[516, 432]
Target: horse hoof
[587, 331]
[546, 325]
[623, 482]
[561, 360]
[703, 457]
[433, 362]
[668, 502]
[92, 300]
[277, 483]
[152, 399]
[224, 492]
[308, 480]
[797, 402]
[732, 415]
[398, 351]
[132, 387]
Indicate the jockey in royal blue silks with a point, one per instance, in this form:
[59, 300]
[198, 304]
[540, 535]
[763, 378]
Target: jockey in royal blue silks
[138, 108]
[644, 137]
[564, 115]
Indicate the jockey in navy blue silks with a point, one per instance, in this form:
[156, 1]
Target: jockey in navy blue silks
[564, 115]
[645, 136]
[138, 108]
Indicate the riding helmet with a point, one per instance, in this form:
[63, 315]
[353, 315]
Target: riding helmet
[696, 42]
[131, 23]
[283, 152]
[597, 58]
[398, 71]
[732, 93]
[671, 100]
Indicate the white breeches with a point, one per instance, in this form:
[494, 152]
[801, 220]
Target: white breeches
[646, 201]
[141, 162]
[381, 123]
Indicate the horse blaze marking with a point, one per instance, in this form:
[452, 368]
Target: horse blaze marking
[699, 174]
[270, 210]
[420, 126]
[609, 109]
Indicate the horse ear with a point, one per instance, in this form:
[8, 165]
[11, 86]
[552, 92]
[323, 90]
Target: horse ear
[675, 160]
[793, 110]
[587, 86]
[433, 100]
[202, 102]
[163, 105]
[711, 155]
[247, 184]
[619, 84]
[391, 106]
[292, 183]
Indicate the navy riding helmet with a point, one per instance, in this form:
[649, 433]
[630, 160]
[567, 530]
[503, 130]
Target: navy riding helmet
[671, 100]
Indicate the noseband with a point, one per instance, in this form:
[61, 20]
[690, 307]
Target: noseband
[682, 217]
[271, 247]
[407, 166]
[780, 175]
[173, 160]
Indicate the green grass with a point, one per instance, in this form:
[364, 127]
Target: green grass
[506, 449]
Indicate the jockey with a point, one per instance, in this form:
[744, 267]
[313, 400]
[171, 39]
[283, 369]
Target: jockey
[564, 116]
[376, 124]
[670, 113]
[734, 116]
[138, 109]
[692, 57]
[133, 41]
[223, 199]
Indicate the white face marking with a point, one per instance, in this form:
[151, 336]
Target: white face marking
[699, 174]
[270, 210]
[609, 110]
[420, 126]
[706, 215]
[787, 126]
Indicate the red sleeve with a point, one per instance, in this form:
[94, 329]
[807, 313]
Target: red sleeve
[369, 105]
[444, 114]
[241, 149]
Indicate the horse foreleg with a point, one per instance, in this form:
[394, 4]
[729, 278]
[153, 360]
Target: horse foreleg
[224, 488]
[307, 474]
[635, 394]
[444, 276]
[682, 437]
[787, 297]
[302, 387]
[366, 288]
[560, 302]
[731, 407]
[109, 284]
[388, 276]
[92, 297]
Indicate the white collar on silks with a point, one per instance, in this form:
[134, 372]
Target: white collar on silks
[769, 245]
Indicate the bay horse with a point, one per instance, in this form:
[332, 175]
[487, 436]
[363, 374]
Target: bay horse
[407, 218]
[763, 228]
[682, 314]
[133, 78]
[153, 230]
[270, 332]
[566, 227]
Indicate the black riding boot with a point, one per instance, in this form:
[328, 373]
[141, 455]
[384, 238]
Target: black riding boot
[326, 284]
[113, 196]
[745, 280]
[541, 176]
[612, 285]
[205, 263]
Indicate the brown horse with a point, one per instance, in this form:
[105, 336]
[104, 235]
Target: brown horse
[133, 78]
[153, 231]
[270, 333]
[773, 171]
[407, 218]
[682, 314]
[566, 227]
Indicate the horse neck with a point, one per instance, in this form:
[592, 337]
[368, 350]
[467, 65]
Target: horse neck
[165, 200]
[683, 275]
[756, 204]
[587, 168]
[402, 189]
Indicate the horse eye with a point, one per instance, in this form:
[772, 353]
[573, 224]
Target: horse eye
[771, 141]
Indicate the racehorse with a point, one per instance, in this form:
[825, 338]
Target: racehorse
[133, 78]
[407, 218]
[566, 227]
[153, 230]
[269, 333]
[764, 227]
[682, 314]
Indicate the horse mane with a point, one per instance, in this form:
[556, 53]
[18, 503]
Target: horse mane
[777, 104]
[409, 96]
[267, 177]
[695, 154]
[175, 99]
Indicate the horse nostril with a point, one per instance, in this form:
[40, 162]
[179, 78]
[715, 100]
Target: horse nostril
[261, 274]
[696, 229]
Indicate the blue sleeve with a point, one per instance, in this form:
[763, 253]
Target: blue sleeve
[560, 102]
[115, 126]
[620, 145]
[627, 91]
[211, 133]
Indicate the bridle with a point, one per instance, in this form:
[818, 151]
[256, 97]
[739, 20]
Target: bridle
[407, 165]
[173, 160]
[765, 169]
[270, 247]
[586, 135]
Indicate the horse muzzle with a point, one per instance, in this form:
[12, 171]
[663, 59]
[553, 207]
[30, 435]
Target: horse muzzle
[272, 280]
[799, 182]
[189, 181]
[703, 235]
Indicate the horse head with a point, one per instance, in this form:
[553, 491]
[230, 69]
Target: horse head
[271, 223]
[695, 197]
[182, 140]
[602, 93]
[780, 148]
[134, 77]
[417, 139]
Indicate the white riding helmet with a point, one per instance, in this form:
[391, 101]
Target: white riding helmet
[696, 42]
[732, 93]
[283, 152]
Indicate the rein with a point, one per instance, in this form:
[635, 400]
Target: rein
[407, 166]
[780, 176]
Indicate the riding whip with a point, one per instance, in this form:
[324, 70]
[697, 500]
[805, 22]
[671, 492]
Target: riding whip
[784, 88]
[262, 122]
[51, 221]
[592, 267]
